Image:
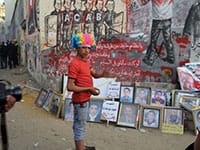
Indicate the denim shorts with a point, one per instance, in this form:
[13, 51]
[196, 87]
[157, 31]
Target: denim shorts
[80, 119]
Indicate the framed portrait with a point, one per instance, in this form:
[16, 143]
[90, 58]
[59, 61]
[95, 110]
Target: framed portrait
[46, 105]
[128, 115]
[173, 120]
[94, 110]
[41, 98]
[142, 95]
[176, 94]
[158, 97]
[56, 104]
[69, 110]
[126, 94]
[187, 79]
[110, 110]
[150, 117]
[189, 102]
[196, 119]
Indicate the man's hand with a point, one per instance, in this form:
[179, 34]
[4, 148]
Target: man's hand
[10, 102]
[94, 91]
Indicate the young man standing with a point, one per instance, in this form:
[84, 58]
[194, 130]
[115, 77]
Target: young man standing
[80, 81]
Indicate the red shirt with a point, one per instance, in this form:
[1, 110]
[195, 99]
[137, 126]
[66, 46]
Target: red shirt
[80, 71]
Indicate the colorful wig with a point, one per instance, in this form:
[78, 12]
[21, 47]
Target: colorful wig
[83, 40]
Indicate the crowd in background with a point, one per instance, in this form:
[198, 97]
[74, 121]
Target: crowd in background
[9, 55]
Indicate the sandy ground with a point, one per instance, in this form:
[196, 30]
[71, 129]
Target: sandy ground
[32, 128]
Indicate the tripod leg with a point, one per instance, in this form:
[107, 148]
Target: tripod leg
[4, 132]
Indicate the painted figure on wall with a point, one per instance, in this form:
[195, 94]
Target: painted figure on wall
[161, 21]
[58, 7]
[77, 16]
[32, 19]
[67, 23]
[98, 19]
[192, 26]
[53, 25]
[113, 21]
[88, 17]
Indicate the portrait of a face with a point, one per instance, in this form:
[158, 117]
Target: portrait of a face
[151, 118]
[126, 94]
[94, 110]
[69, 111]
[173, 116]
[158, 97]
[128, 115]
[142, 96]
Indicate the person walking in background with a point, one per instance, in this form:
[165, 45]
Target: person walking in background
[3, 55]
[12, 55]
[80, 82]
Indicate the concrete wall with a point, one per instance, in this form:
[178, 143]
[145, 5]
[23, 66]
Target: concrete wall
[122, 42]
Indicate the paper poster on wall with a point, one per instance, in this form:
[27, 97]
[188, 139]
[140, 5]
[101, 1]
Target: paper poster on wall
[110, 110]
[113, 90]
[102, 85]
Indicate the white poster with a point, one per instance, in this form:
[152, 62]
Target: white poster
[110, 111]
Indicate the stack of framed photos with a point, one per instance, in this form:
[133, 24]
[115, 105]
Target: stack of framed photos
[133, 106]
[50, 101]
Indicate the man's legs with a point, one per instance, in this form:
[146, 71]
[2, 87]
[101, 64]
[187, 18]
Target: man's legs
[79, 125]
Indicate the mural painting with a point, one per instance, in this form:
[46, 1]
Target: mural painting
[137, 40]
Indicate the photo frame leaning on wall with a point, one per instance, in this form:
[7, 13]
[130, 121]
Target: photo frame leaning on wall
[189, 102]
[158, 97]
[196, 119]
[128, 115]
[176, 94]
[150, 117]
[109, 111]
[126, 94]
[46, 105]
[41, 98]
[94, 110]
[142, 95]
[69, 110]
[173, 120]
[56, 104]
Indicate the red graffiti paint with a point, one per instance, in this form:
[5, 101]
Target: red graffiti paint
[183, 40]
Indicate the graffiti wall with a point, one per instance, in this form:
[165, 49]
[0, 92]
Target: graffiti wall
[137, 40]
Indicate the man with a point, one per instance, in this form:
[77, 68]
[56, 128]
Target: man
[187, 82]
[141, 98]
[157, 100]
[128, 115]
[150, 119]
[80, 81]
[173, 117]
[94, 114]
[126, 97]
[162, 19]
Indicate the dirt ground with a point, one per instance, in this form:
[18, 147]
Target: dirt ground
[32, 128]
